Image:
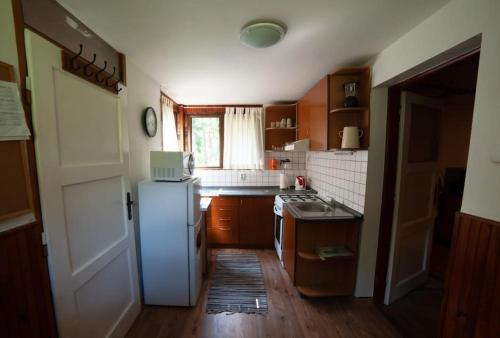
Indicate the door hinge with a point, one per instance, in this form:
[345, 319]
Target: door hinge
[44, 238]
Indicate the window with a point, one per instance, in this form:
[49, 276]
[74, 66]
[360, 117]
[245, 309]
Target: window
[206, 141]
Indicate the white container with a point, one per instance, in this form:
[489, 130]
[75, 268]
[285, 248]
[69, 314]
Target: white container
[283, 181]
[350, 137]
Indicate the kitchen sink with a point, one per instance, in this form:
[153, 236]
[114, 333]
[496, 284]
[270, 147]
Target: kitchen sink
[313, 207]
[319, 210]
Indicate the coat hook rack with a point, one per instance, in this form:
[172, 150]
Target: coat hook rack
[100, 71]
[89, 64]
[72, 61]
[110, 77]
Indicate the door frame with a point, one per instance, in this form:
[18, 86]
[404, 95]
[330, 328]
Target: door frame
[390, 171]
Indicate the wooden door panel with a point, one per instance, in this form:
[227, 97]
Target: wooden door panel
[15, 186]
[25, 302]
[289, 244]
[471, 304]
[257, 222]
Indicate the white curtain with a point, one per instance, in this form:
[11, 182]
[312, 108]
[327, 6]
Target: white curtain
[243, 138]
[170, 142]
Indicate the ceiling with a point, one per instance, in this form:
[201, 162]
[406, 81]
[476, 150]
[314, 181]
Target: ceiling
[192, 47]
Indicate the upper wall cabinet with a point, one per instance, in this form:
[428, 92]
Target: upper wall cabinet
[313, 115]
[349, 112]
[281, 125]
[322, 111]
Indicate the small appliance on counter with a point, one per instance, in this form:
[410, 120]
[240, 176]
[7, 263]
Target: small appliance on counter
[300, 183]
[171, 166]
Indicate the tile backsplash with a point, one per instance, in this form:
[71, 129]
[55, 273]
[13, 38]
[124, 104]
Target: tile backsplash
[210, 177]
[339, 175]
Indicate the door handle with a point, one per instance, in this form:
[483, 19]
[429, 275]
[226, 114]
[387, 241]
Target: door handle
[129, 206]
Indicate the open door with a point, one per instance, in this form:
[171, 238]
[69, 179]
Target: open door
[83, 175]
[415, 195]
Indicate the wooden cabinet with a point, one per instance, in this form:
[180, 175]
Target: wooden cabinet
[257, 222]
[339, 116]
[277, 136]
[322, 115]
[471, 304]
[313, 115]
[223, 220]
[311, 275]
[241, 222]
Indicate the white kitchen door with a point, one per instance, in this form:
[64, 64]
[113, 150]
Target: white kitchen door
[83, 178]
[415, 199]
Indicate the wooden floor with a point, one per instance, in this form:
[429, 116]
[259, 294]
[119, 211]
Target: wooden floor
[289, 315]
[417, 314]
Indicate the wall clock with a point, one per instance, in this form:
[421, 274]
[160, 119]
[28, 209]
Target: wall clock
[150, 122]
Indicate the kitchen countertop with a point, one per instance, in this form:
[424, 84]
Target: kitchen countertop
[339, 212]
[251, 191]
[205, 203]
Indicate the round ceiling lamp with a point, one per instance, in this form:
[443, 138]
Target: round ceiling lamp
[262, 34]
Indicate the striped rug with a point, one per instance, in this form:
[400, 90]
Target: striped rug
[237, 285]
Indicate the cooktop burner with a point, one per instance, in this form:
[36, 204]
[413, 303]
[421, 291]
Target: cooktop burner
[299, 198]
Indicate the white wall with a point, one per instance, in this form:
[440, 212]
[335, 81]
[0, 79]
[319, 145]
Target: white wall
[455, 23]
[373, 202]
[8, 47]
[141, 92]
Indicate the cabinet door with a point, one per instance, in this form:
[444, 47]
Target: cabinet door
[303, 121]
[313, 115]
[223, 221]
[257, 222]
[289, 244]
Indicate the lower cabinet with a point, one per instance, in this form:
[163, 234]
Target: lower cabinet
[315, 276]
[241, 222]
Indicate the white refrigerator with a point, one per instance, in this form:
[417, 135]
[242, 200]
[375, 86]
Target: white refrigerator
[171, 241]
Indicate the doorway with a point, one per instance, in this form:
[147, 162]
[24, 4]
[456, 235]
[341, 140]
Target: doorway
[435, 119]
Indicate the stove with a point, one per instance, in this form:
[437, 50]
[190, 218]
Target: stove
[279, 201]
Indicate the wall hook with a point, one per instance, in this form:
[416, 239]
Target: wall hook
[89, 64]
[72, 61]
[110, 77]
[100, 71]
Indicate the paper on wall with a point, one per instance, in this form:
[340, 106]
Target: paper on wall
[12, 120]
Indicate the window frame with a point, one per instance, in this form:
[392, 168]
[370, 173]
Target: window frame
[189, 131]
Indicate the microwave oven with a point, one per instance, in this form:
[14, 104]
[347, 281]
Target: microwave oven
[171, 165]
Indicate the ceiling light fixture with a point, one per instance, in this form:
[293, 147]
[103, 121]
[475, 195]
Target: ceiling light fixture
[262, 34]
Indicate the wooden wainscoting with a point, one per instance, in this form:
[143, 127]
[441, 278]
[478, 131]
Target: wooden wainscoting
[471, 305]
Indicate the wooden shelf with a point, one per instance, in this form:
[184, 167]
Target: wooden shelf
[320, 291]
[348, 110]
[312, 256]
[291, 128]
